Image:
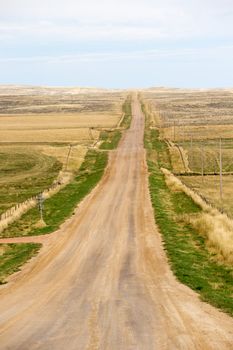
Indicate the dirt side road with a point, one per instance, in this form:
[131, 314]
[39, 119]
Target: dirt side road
[103, 282]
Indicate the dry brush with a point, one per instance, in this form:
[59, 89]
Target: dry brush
[215, 226]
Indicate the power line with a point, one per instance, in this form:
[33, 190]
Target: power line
[68, 156]
[174, 131]
[202, 161]
[191, 146]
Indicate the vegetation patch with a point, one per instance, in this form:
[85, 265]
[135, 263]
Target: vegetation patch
[209, 188]
[190, 260]
[215, 226]
[127, 110]
[110, 139]
[60, 206]
[206, 153]
[13, 256]
[23, 174]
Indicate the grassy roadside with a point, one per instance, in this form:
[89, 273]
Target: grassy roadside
[13, 256]
[60, 206]
[112, 138]
[56, 209]
[190, 260]
[127, 110]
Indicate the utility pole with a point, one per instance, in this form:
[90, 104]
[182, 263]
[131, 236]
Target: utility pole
[40, 200]
[174, 131]
[183, 129]
[68, 156]
[191, 149]
[202, 162]
[220, 169]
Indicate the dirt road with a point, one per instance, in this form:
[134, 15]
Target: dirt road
[103, 282]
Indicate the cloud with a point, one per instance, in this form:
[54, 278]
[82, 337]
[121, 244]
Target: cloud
[164, 35]
[122, 56]
[114, 20]
[88, 10]
[110, 9]
[80, 32]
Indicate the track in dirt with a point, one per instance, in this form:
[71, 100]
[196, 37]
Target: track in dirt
[103, 282]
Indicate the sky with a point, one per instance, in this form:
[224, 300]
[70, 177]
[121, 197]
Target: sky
[117, 44]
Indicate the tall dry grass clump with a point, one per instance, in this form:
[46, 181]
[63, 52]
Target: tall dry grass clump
[215, 226]
[218, 229]
[176, 185]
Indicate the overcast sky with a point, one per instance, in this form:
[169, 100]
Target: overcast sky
[123, 43]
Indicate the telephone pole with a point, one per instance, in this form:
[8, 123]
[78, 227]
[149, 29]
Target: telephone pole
[68, 156]
[191, 148]
[202, 161]
[174, 131]
[183, 134]
[220, 169]
[40, 200]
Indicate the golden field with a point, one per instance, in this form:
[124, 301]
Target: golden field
[193, 121]
[80, 135]
[40, 115]
[37, 127]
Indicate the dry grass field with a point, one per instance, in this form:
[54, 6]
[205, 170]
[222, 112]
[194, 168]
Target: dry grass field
[192, 122]
[67, 121]
[198, 132]
[66, 135]
[24, 172]
[191, 107]
[210, 189]
[36, 100]
[37, 126]
[76, 155]
[57, 115]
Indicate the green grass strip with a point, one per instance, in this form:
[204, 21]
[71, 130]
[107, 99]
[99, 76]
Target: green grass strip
[110, 139]
[127, 110]
[190, 260]
[13, 256]
[61, 206]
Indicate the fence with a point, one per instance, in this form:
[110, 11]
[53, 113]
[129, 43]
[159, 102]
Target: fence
[19, 209]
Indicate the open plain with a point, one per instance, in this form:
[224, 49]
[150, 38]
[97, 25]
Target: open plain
[45, 135]
[37, 127]
[193, 122]
[103, 281]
